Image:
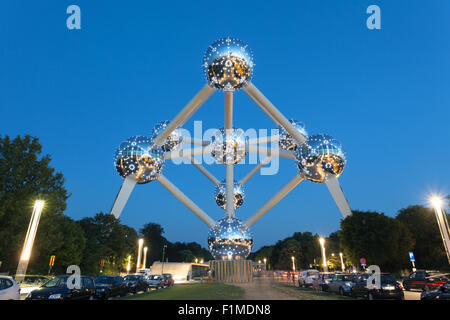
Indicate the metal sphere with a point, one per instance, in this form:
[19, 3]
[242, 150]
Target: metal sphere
[321, 157]
[220, 194]
[287, 142]
[230, 239]
[228, 64]
[173, 141]
[228, 146]
[136, 156]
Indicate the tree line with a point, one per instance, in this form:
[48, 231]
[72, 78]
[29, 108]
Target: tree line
[381, 240]
[99, 243]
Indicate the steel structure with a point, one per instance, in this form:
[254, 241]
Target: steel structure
[228, 66]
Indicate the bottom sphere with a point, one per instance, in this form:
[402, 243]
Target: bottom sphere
[230, 239]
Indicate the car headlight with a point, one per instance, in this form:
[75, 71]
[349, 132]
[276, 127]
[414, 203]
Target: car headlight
[55, 296]
[348, 284]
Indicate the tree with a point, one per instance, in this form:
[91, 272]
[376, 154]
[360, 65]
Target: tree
[429, 251]
[153, 235]
[25, 176]
[108, 240]
[382, 240]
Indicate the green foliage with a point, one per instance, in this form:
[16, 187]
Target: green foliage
[429, 251]
[25, 176]
[382, 240]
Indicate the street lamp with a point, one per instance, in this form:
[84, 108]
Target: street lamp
[29, 240]
[293, 263]
[145, 257]
[265, 264]
[324, 258]
[342, 261]
[129, 264]
[138, 264]
[442, 224]
[162, 266]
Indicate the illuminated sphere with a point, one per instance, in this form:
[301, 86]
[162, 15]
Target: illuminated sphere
[228, 64]
[173, 141]
[321, 157]
[230, 239]
[136, 156]
[287, 142]
[228, 148]
[220, 194]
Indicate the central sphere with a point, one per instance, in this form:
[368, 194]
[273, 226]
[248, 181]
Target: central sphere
[321, 157]
[220, 194]
[173, 141]
[230, 239]
[228, 146]
[136, 156]
[228, 64]
[287, 142]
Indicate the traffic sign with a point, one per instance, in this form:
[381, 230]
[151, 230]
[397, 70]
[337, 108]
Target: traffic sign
[362, 261]
[52, 261]
[411, 257]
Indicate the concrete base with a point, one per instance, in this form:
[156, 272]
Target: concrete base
[232, 271]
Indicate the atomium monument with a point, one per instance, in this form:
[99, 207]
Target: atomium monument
[228, 66]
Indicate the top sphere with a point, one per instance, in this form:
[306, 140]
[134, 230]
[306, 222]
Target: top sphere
[287, 142]
[321, 157]
[173, 141]
[228, 64]
[136, 156]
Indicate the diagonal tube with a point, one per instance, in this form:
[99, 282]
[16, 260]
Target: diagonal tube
[122, 197]
[255, 169]
[268, 107]
[338, 195]
[186, 201]
[275, 199]
[203, 170]
[185, 114]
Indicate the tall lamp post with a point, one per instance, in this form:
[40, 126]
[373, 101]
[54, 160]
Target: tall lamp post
[129, 264]
[138, 264]
[342, 261]
[145, 257]
[162, 266]
[442, 223]
[29, 240]
[324, 257]
[293, 263]
[265, 264]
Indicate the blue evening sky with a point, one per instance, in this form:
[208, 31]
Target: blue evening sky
[382, 93]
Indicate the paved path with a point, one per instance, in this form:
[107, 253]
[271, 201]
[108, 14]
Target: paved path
[263, 289]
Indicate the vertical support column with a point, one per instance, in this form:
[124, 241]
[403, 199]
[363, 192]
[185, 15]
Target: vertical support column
[443, 228]
[229, 176]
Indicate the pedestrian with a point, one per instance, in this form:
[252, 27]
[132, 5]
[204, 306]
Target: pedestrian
[315, 284]
[213, 275]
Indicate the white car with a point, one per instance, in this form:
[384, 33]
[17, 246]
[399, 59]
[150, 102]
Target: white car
[9, 289]
[306, 278]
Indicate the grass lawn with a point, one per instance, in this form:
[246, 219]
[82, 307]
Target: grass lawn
[197, 291]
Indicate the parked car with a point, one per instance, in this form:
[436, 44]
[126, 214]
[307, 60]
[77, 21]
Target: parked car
[155, 281]
[9, 289]
[424, 280]
[57, 289]
[32, 282]
[341, 283]
[324, 280]
[389, 288]
[136, 283]
[168, 280]
[442, 293]
[306, 278]
[110, 286]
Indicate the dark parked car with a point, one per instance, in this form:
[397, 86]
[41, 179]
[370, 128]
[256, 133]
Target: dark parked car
[324, 280]
[57, 289]
[443, 293]
[155, 281]
[389, 289]
[136, 283]
[110, 286]
[424, 280]
[341, 283]
[168, 280]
